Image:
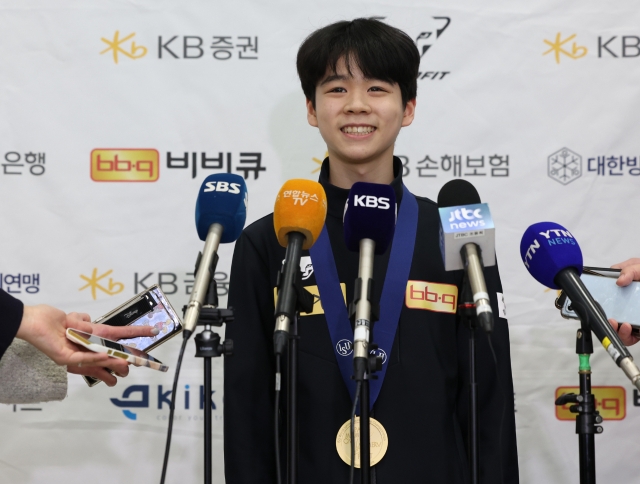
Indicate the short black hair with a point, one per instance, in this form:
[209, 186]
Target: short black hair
[378, 50]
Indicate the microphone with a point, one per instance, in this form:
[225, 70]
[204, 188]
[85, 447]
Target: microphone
[221, 210]
[553, 257]
[467, 230]
[298, 218]
[369, 225]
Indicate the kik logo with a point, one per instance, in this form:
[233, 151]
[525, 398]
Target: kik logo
[222, 186]
[370, 201]
[138, 397]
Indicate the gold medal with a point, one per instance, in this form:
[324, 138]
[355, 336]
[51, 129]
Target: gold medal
[378, 438]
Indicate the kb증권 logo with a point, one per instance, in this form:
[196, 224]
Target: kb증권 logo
[560, 48]
[125, 165]
[610, 402]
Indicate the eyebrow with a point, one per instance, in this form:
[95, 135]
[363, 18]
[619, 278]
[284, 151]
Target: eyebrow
[334, 77]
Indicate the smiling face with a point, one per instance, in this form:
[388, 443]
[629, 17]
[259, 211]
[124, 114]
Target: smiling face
[358, 118]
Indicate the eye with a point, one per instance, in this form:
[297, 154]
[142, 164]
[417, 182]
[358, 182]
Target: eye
[338, 89]
[377, 89]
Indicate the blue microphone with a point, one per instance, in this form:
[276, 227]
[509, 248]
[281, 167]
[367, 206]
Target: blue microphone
[221, 210]
[369, 225]
[553, 257]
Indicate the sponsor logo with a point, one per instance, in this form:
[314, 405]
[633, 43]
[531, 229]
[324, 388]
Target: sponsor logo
[370, 201]
[318, 162]
[169, 283]
[560, 47]
[317, 303]
[610, 402]
[223, 47]
[564, 166]
[15, 283]
[306, 267]
[97, 283]
[14, 163]
[458, 166]
[138, 398]
[425, 41]
[125, 46]
[125, 165]
[222, 186]
[432, 296]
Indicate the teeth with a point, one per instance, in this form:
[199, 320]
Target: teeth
[358, 129]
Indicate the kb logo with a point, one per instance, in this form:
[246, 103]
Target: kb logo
[370, 201]
[221, 186]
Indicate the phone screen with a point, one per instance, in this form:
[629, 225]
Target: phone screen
[152, 310]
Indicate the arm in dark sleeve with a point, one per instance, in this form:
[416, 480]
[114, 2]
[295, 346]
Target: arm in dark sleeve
[497, 451]
[249, 375]
[11, 310]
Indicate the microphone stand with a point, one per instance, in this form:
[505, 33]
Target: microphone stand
[467, 314]
[585, 407]
[208, 346]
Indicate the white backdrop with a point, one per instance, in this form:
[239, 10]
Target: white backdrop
[489, 100]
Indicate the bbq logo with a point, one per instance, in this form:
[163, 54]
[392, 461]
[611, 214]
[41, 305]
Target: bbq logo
[125, 165]
[432, 296]
[610, 402]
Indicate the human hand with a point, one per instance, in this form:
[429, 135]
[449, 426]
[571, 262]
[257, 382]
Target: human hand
[81, 322]
[630, 271]
[624, 331]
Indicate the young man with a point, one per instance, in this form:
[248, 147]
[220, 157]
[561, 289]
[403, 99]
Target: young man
[359, 78]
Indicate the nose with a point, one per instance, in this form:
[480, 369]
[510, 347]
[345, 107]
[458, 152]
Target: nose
[357, 103]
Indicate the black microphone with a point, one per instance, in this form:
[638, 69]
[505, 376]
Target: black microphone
[553, 257]
[464, 218]
[369, 225]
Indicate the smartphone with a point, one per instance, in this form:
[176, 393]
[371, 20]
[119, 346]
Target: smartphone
[114, 349]
[149, 308]
[619, 303]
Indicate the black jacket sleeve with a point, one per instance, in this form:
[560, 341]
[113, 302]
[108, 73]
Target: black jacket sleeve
[498, 456]
[11, 310]
[249, 375]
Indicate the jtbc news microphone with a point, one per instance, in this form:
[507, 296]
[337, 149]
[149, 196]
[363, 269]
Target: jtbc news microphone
[553, 257]
[298, 218]
[221, 210]
[467, 241]
[369, 225]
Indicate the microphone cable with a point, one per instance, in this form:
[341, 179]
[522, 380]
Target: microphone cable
[353, 431]
[172, 408]
[276, 420]
[504, 405]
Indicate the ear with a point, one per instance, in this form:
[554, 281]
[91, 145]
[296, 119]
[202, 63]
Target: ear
[312, 118]
[409, 112]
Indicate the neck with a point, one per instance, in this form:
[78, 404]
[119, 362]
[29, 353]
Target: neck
[344, 175]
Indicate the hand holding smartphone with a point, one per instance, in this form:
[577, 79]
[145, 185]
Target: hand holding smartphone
[148, 308]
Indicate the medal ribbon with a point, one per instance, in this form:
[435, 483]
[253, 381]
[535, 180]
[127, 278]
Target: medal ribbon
[391, 299]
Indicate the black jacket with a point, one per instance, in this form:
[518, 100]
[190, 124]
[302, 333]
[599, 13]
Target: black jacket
[10, 316]
[423, 404]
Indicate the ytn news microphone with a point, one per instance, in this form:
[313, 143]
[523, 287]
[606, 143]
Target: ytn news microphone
[467, 241]
[553, 257]
[369, 225]
[298, 218]
[221, 211]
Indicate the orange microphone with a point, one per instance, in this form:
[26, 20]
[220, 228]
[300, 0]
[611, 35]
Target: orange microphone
[298, 218]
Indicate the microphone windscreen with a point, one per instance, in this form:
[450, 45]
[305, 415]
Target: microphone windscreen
[301, 206]
[370, 213]
[222, 199]
[547, 248]
[457, 192]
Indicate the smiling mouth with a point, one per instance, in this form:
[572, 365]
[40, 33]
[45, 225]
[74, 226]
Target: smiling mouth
[358, 130]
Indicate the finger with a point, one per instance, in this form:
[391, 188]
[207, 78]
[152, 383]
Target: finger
[123, 332]
[625, 334]
[628, 274]
[629, 262]
[87, 358]
[75, 322]
[121, 367]
[95, 372]
[613, 324]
